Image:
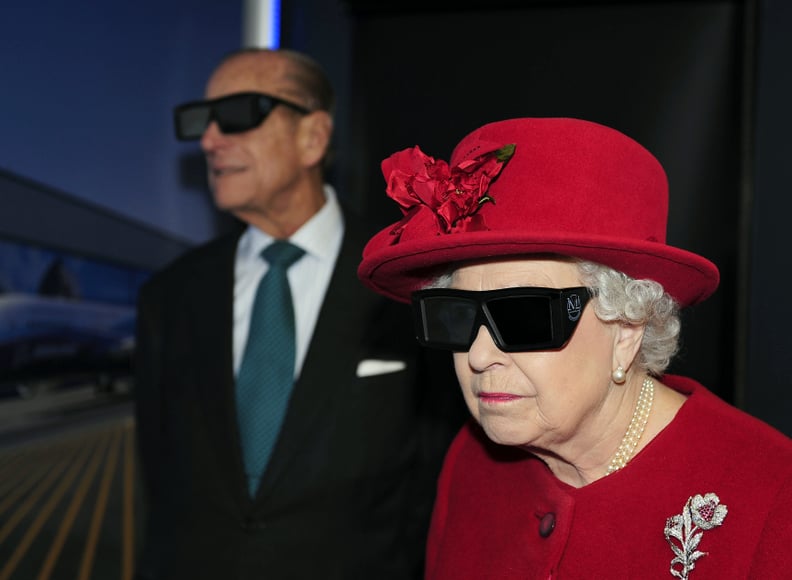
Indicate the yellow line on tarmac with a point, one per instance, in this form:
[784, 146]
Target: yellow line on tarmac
[31, 500]
[98, 514]
[43, 514]
[22, 487]
[38, 460]
[128, 520]
[9, 466]
[74, 507]
[13, 474]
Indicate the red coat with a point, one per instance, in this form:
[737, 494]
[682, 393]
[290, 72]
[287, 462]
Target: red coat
[501, 514]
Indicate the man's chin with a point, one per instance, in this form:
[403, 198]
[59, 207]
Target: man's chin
[227, 201]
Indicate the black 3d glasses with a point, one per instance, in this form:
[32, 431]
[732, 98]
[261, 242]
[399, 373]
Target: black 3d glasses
[518, 319]
[233, 114]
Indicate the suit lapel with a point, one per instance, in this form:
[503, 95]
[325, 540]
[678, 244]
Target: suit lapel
[212, 319]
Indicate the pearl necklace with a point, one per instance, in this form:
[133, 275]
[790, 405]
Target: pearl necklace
[636, 428]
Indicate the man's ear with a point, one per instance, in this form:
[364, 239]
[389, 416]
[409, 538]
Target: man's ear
[315, 133]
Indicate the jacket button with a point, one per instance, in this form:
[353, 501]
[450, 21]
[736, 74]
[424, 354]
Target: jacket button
[547, 524]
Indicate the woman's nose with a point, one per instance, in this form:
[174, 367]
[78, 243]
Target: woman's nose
[484, 352]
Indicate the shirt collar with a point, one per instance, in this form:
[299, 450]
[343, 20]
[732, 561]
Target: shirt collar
[319, 236]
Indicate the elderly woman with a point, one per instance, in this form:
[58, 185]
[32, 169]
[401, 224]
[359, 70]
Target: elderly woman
[539, 258]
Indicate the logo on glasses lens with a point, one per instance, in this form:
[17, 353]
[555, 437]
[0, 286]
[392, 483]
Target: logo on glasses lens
[573, 307]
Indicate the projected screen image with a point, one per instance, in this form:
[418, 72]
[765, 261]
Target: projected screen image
[65, 319]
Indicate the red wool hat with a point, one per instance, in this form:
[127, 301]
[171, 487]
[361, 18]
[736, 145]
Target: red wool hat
[532, 186]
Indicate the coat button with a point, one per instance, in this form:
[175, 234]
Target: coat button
[547, 524]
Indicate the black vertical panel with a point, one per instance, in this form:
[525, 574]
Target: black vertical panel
[669, 74]
[768, 387]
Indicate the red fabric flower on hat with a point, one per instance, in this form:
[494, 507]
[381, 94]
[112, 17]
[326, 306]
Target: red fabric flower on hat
[433, 195]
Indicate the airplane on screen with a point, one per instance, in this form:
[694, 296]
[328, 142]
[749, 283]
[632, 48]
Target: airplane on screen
[46, 340]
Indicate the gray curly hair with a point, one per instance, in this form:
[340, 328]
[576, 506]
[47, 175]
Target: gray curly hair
[625, 300]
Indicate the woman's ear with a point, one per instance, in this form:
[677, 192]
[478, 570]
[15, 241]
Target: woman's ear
[627, 342]
[315, 132]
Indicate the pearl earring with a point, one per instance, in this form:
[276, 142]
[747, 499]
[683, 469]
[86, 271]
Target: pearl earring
[619, 376]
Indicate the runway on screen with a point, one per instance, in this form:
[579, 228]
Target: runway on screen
[69, 487]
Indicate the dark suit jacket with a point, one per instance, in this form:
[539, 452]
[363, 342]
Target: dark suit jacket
[349, 488]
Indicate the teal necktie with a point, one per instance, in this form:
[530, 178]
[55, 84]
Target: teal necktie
[266, 374]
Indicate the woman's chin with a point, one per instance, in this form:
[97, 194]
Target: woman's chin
[507, 434]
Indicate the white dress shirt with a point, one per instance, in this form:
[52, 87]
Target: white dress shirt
[309, 277]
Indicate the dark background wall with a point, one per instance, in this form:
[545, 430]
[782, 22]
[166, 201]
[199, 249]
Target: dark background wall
[767, 388]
